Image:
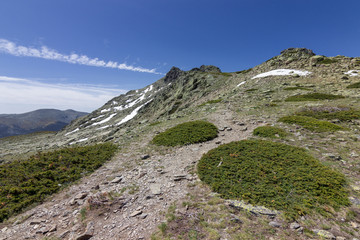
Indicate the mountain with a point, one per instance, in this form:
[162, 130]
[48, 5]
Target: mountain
[308, 103]
[35, 121]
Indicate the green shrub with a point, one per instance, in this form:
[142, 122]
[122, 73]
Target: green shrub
[211, 102]
[270, 132]
[312, 124]
[324, 112]
[186, 133]
[327, 61]
[25, 182]
[296, 88]
[251, 90]
[313, 97]
[274, 175]
[354, 85]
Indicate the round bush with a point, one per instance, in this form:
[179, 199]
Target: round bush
[273, 175]
[186, 133]
[270, 132]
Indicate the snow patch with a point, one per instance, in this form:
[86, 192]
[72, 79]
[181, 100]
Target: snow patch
[148, 89]
[74, 131]
[103, 127]
[282, 72]
[353, 73]
[81, 140]
[105, 120]
[242, 83]
[96, 118]
[105, 110]
[132, 114]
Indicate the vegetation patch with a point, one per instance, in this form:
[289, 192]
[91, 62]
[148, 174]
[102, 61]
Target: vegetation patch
[312, 124]
[273, 175]
[296, 88]
[23, 183]
[186, 133]
[330, 113]
[313, 97]
[244, 71]
[251, 90]
[354, 85]
[327, 61]
[211, 102]
[270, 132]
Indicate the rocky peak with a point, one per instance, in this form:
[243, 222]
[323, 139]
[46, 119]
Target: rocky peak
[297, 52]
[173, 74]
[209, 68]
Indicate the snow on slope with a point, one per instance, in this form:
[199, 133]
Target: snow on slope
[132, 114]
[353, 73]
[282, 72]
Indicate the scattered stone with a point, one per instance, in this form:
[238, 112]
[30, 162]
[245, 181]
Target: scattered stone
[143, 216]
[294, 225]
[324, 234]
[155, 188]
[256, 210]
[135, 213]
[229, 129]
[117, 179]
[243, 129]
[218, 142]
[275, 224]
[143, 157]
[340, 238]
[235, 219]
[81, 195]
[354, 200]
[179, 177]
[37, 221]
[354, 225]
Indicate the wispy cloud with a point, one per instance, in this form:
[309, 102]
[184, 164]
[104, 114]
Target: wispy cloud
[20, 95]
[44, 52]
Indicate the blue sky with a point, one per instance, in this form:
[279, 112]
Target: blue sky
[80, 53]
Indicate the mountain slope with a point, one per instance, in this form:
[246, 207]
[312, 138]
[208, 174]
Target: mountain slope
[38, 120]
[152, 192]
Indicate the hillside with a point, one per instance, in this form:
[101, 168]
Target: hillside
[35, 121]
[149, 191]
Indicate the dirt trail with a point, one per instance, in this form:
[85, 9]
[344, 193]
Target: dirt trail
[128, 196]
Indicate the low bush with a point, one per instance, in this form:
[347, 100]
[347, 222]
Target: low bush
[186, 133]
[313, 97]
[354, 85]
[211, 102]
[270, 132]
[296, 88]
[312, 124]
[327, 61]
[325, 112]
[274, 175]
[23, 183]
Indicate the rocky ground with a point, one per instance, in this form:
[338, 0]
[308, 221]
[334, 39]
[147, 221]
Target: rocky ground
[152, 192]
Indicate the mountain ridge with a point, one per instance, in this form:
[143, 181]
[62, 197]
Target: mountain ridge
[153, 192]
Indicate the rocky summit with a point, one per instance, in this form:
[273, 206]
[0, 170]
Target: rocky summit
[305, 103]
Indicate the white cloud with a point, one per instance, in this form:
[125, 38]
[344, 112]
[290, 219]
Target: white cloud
[20, 95]
[9, 47]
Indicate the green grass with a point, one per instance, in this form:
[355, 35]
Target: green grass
[211, 102]
[330, 113]
[312, 124]
[274, 175]
[327, 61]
[296, 88]
[186, 133]
[313, 97]
[251, 90]
[269, 132]
[354, 85]
[23, 183]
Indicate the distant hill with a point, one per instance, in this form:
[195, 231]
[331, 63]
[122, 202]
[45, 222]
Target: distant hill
[38, 120]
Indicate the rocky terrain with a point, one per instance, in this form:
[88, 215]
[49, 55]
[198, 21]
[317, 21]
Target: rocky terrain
[153, 192]
[35, 121]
